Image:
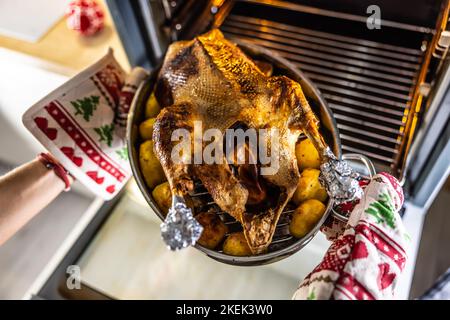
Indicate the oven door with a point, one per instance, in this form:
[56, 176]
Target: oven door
[115, 252]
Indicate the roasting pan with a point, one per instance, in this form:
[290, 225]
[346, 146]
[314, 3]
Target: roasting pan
[283, 245]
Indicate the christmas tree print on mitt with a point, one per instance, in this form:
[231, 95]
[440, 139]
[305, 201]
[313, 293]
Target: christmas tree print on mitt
[86, 106]
[382, 210]
[312, 295]
[123, 153]
[106, 133]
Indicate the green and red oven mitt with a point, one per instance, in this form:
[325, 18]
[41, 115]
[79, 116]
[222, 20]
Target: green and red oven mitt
[368, 253]
[83, 122]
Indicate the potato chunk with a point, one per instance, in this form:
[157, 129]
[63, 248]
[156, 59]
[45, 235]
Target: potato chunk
[214, 229]
[150, 166]
[305, 217]
[309, 187]
[236, 245]
[307, 155]
[163, 196]
[146, 129]
[152, 107]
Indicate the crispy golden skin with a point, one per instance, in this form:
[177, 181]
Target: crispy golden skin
[209, 79]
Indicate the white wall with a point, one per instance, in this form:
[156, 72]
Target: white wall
[23, 81]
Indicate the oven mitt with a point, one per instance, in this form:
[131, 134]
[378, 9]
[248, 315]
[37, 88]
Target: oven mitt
[365, 260]
[83, 124]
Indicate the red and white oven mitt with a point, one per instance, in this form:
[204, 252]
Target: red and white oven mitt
[367, 256]
[82, 124]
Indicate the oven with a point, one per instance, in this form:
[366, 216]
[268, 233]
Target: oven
[383, 69]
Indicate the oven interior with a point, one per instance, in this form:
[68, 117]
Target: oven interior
[375, 78]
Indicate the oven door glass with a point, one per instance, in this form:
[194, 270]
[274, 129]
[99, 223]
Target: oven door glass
[128, 260]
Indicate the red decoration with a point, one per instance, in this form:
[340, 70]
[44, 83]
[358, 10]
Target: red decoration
[51, 163]
[83, 141]
[385, 278]
[359, 251]
[94, 176]
[42, 124]
[85, 16]
[111, 188]
[70, 153]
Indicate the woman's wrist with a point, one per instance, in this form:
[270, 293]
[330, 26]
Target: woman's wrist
[51, 163]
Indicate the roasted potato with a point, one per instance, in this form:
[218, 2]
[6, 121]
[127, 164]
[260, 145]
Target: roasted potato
[305, 217]
[163, 196]
[236, 245]
[307, 155]
[146, 129]
[309, 187]
[152, 107]
[214, 229]
[150, 166]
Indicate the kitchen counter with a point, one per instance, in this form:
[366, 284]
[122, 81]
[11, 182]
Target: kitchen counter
[70, 50]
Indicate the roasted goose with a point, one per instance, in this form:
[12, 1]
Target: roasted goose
[209, 79]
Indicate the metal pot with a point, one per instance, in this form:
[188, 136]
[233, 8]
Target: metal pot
[277, 250]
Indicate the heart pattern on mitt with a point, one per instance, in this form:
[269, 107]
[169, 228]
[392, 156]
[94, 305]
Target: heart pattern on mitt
[42, 124]
[70, 153]
[385, 278]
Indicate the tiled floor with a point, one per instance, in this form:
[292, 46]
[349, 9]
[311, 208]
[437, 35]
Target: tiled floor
[23, 257]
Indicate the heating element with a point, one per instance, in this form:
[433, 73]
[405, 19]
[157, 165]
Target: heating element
[369, 85]
[377, 81]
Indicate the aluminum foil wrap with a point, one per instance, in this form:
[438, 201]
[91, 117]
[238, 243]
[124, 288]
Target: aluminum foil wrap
[340, 180]
[180, 229]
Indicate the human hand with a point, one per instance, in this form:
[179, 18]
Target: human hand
[83, 125]
[368, 254]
